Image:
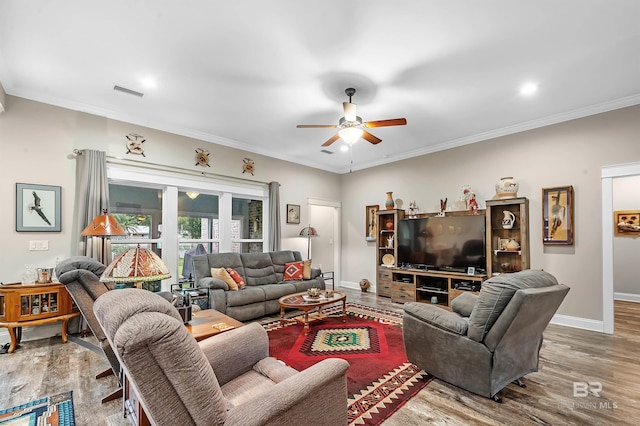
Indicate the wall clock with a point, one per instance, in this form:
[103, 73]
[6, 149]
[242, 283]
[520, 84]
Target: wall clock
[202, 157]
[134, 144]
[248, 166]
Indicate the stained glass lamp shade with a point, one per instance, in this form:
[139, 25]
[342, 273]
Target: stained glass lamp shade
[136, 265]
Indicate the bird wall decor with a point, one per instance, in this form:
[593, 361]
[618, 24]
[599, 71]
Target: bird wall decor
[36, 207]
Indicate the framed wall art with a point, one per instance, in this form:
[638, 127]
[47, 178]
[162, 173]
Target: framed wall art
[293, 213]
[626, 223]
[557, 215]
[370, 219]
[37, 208]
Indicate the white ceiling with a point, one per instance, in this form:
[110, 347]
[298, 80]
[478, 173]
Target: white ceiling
[244, 73]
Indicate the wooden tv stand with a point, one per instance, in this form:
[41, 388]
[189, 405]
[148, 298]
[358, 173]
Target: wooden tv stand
[418, 285]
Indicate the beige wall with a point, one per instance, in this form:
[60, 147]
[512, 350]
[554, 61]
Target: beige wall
[569, 153]
[37, 143]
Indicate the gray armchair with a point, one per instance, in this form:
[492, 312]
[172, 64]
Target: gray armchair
[228, 379]
[80, 275]
[486, 341]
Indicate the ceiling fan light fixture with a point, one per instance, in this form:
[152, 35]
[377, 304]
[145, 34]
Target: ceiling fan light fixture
[351, 134]
[192, 195]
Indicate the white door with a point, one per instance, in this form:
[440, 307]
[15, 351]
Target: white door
[324, 216]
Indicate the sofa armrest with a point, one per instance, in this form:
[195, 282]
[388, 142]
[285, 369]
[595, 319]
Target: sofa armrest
[315, 273]
[463, 304]
[318, 394]
[437, 317]
[212, 283]
[236, 351]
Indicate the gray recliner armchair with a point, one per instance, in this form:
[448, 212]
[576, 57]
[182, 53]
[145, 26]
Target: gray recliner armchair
[227, 379]
[486, 341]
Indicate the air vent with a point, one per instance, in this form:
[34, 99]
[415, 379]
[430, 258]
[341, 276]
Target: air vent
[326, 151]
[127, 91]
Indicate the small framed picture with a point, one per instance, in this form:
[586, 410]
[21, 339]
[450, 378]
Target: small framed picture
[557, 215]
[471, 270]
[370, 220]
[37, 208]
[627, 223]
[293, 213]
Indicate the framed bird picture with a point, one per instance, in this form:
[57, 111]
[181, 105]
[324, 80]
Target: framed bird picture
[37, 208]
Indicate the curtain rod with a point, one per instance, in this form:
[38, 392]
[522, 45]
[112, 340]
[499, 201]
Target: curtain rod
[163, 167]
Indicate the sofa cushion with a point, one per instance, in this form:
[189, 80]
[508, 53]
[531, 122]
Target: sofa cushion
[237, 278]
[306, 270]
[276, 291]
[463, 304]
[258, 269]
[245, 296]
[496, 293]
[293, 271]
[222, 274]
[280, 259]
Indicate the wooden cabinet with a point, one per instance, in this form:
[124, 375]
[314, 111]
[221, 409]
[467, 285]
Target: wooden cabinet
[386, 248]
[436, 287]
[31, 305]
[507, 225]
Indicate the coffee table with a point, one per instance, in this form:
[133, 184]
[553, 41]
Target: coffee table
[304, 303]
[209, 322]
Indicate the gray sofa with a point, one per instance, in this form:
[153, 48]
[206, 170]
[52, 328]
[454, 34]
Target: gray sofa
[263, 274]
[486, 341]
[228, 379]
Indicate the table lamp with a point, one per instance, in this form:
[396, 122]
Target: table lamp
[103, 226]
[309, 232]
[136, 265]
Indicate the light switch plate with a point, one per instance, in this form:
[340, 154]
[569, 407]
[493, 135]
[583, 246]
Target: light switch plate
[38, 245]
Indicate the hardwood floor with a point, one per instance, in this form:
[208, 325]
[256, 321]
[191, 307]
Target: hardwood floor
[45, 367]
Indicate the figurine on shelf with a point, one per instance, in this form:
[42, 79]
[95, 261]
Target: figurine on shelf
[390, 242]
[443, 207]
[413, 209]
[469, 198]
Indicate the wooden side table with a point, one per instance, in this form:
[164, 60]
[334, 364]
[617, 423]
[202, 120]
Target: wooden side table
[33, 305]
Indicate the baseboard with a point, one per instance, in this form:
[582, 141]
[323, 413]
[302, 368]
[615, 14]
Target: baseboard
[351, 285]
[577, 322]
[626, 297]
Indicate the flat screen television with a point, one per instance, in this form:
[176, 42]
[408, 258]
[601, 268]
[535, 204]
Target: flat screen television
[450, 243]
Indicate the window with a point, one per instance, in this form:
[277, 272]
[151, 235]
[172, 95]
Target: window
[179, 217]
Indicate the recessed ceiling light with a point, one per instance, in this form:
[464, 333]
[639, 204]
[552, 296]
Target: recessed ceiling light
[529, 88]
[344, 147]
[148, 82]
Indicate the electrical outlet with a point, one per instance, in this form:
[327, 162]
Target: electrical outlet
[38, 245]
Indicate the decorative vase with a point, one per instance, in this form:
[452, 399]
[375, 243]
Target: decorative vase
[508, 220]
[389, 204]
[507, 187]
[364, 285]
[389, 225]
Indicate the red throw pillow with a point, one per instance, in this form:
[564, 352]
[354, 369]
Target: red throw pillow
[293, 270]
[236, 277]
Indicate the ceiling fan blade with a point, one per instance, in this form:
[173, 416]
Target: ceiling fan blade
[332, 140]
[316, 126]
[349, 111]
[369, 137]
[383, 123]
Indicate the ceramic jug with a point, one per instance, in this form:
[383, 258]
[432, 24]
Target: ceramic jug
[508, 220]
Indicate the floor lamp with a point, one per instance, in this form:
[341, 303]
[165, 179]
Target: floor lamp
[309, 232]
[103, 226]
[136, 265]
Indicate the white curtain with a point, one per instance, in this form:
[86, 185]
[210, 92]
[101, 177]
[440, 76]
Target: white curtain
[92, 196]
[274, 217]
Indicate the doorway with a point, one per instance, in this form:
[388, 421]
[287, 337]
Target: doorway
[608, 174]
[324, 216]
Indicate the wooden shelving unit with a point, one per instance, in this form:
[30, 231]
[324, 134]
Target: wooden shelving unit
[502, 260]
[386, 249]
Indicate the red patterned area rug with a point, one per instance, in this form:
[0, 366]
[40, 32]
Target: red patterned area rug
[379, 379]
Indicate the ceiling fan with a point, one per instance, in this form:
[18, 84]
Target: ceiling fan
[351, 126]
